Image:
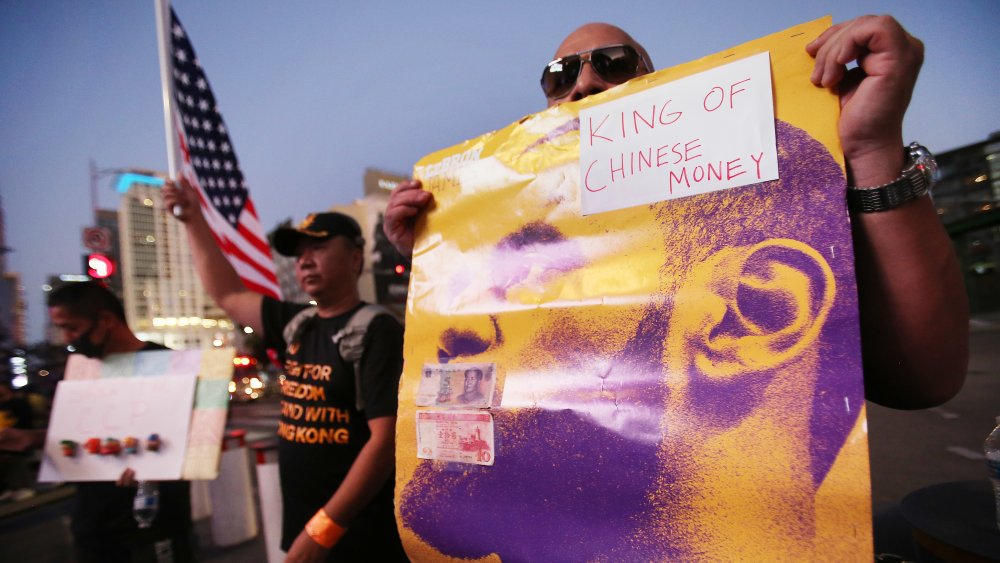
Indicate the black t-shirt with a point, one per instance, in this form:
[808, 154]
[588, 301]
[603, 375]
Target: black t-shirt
[321, 431]
[102, 515]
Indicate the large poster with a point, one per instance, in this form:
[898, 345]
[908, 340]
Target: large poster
[673, 380]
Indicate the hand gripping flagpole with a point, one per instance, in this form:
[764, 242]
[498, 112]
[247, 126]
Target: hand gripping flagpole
[166, 69]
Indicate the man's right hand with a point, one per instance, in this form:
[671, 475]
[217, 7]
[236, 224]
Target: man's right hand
[405, 203]
[182, 198]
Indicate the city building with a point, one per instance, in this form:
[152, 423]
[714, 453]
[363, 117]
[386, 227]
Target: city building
[967, 197]
[12, 318]
[164, 299]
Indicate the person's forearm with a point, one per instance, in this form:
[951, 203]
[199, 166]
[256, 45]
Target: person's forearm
[367, 476]
[216, 273]
[913, 304]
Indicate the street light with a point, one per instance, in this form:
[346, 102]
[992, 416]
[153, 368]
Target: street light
[126, 177]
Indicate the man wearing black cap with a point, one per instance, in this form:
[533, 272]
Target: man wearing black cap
[337, 443]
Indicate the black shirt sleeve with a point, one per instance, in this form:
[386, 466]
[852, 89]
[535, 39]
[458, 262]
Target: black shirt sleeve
[381, 366]
[274, 316]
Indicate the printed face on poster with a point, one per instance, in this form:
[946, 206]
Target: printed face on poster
[119, 408]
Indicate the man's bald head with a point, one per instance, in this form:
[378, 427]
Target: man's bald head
[586, 38]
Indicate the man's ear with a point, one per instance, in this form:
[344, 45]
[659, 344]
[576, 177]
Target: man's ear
[750, 308]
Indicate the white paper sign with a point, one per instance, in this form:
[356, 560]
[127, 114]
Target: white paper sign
[117, 408]
[706, 132]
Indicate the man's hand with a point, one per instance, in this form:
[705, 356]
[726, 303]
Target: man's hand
[874, 95]
[127, 478]
[406, 201]
[304, 550]
[20, 440]
[183, 198]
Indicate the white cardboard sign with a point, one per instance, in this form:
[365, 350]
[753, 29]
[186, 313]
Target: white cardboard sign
[710, 131]
[118, 407]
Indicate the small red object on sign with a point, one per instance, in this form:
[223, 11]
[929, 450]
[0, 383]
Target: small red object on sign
[92, 446]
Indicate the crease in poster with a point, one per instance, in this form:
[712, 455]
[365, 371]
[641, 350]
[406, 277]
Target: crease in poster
[678, 380]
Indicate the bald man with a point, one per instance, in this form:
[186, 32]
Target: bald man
[913, 306]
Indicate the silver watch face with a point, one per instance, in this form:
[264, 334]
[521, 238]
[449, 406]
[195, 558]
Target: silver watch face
[922, 159]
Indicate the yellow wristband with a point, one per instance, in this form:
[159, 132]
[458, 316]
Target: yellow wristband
[323, 530]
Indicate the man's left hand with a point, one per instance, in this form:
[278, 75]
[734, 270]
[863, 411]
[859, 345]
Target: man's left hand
[305, 550]
[874, 95]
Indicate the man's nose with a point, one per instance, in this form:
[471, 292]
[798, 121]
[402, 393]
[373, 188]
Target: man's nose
[304, 258]
[588, 83]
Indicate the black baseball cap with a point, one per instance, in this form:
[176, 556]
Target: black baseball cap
[318, 226]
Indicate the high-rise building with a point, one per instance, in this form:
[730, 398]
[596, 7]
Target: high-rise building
[967, 197]
[12, 318]
[164, 299]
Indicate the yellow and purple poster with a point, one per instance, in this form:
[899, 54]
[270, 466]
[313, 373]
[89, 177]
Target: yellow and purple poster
[632, 329]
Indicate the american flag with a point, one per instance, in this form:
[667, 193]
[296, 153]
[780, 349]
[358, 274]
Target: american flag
[207, 160]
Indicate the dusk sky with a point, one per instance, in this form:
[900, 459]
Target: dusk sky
[314, 92]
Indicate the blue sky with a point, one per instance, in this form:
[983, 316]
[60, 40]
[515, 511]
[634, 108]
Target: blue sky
[313, 92]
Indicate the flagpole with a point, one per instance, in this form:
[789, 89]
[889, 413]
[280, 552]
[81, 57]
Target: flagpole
[166, 69]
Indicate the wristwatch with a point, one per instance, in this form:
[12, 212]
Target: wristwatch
[915, 181]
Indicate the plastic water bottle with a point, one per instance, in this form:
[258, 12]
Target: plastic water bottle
[146, 503]
[992, 450]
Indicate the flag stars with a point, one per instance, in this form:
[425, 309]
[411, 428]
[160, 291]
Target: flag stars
[228, 165]
[210, 145]
[203, 104]
[202, 84]
[178, 31]
[224, 147]
[181, 55]
[207, 124]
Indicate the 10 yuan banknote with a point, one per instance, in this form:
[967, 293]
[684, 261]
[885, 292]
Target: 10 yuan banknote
[461, 436]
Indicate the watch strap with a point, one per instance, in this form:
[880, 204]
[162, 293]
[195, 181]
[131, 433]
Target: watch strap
[887, 196]
[913, 182]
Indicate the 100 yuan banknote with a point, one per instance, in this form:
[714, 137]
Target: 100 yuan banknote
[462, 436]
[457, 385]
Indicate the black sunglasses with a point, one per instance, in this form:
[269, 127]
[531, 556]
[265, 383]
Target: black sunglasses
[613, 63]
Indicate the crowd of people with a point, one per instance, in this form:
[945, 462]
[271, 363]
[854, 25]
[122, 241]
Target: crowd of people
[337, 463]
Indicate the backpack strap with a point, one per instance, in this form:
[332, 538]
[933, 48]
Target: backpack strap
[293, 329]
[350, 343]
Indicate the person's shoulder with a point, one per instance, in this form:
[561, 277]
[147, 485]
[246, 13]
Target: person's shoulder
[383, 318]
[272, 308]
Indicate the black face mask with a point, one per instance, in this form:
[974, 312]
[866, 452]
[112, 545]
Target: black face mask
[84, 346]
